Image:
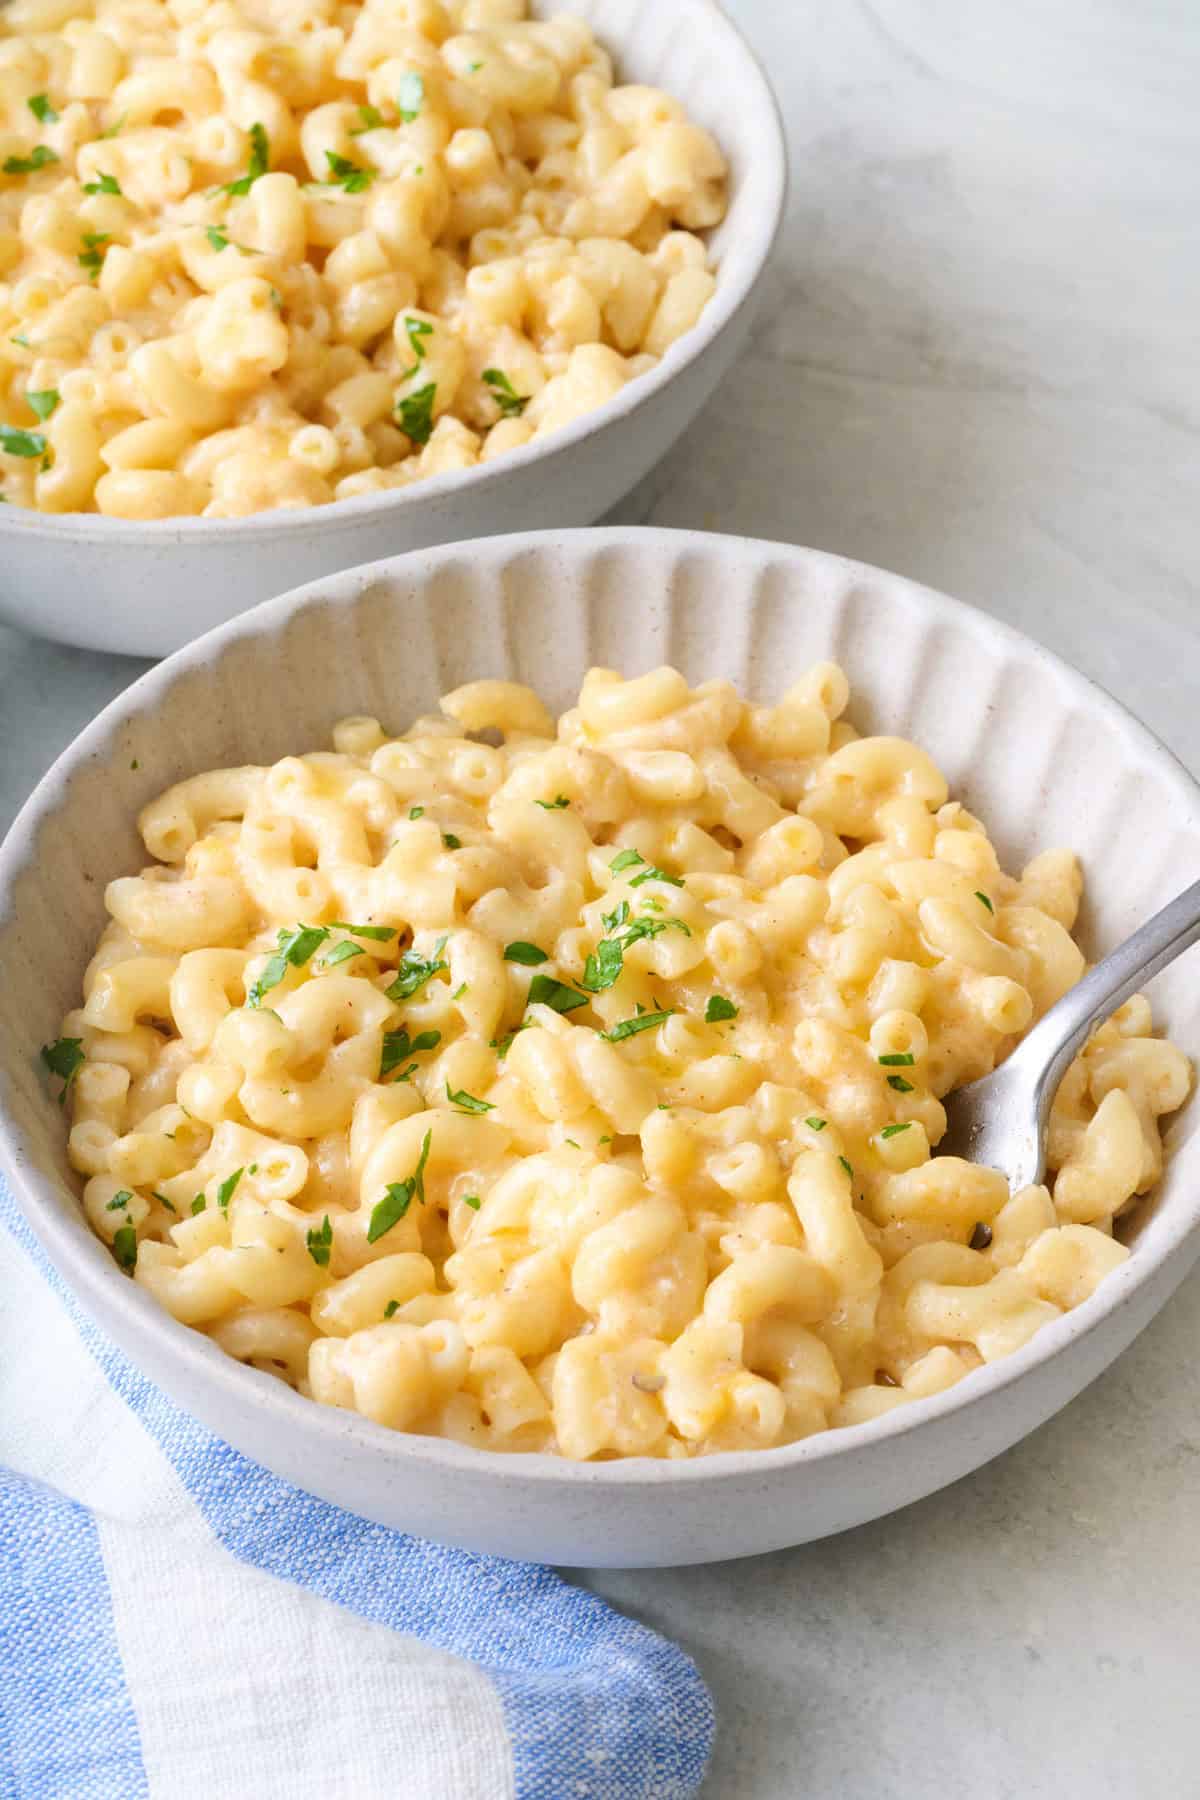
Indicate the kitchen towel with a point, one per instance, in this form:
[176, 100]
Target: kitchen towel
[177, 1623]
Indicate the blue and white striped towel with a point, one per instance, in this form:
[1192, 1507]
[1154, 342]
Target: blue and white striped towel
[175, 1622]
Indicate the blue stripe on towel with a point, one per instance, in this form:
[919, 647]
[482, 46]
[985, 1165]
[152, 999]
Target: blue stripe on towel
[59, 1657]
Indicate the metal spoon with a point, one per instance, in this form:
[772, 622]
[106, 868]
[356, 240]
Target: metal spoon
[1000, 1120]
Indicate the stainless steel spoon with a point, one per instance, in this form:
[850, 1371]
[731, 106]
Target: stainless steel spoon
[1000, 1120]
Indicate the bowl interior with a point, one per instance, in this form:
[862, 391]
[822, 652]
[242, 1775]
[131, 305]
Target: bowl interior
[1040, 754]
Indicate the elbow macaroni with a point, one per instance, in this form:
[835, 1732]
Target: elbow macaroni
[303, 252]
[581, 1094]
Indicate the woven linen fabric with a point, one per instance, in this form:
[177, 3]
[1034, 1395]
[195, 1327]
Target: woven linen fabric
[178, 1623]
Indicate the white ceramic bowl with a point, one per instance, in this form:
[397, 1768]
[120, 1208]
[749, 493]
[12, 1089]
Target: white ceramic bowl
[1042, 755]
[145, 589]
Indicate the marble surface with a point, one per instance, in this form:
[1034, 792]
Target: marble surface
[977, 363]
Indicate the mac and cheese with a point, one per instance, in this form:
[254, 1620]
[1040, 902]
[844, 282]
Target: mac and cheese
[576, 1088]
[260, 254]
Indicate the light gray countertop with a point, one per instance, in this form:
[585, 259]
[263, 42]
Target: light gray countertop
[978, 364]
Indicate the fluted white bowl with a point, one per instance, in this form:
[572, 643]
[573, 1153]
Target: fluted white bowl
[146, 588]
[1042, 755]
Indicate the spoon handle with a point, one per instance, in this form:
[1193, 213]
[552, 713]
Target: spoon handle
[1057, 1036]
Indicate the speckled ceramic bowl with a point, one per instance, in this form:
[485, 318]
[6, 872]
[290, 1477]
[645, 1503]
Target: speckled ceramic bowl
[1042, 755]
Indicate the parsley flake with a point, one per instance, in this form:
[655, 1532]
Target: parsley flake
[399, 1196]
[198, 1204]
[259, 163]
[473, 1201]
[544, 990]
[467, 1102]
[63, 1058]
[625, 859]
[653, 874]
[341, 953]
[397, 1048]
[719, 1008]
[125, 1247]
[227, 1189]
[899, 1084]
[847, 1166]
[372, 120]
[391, 1309]
[21, 443]
[41, 109]
[380, 933]
[630, 1027]
[353, 177]
[511, 404]
[983, 900]
[899, 1059]
[43, 400]
[320, 1242]
[163, 1201]
[120, 1201]
[891, 1131]
[521, 952]
[450, 841]
[416, 812]
[103, 184]
[415, 413]
[295, 948]
[91, 257]
[414, 970]
[40, 157]
[555, 805]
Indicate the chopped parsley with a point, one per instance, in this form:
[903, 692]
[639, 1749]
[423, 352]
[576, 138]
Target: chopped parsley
[260, 162]
[64, 1058]
[467, 1102]
[511, 404]
[198, 1204]
[891, 1131]
[163, 1201]
[630, 1027]
[459, 991]
[399, 1196]
[555, 805]
[21, 443]
[981, 1237]
[40, 157]
[125, 1247]
[521, 952]
[410, 95]
[415, 413]
[898, 1059]
[416, 812]
[899, 1084]
[295, 948]
[391, 1309]
[320, 1243]
[353, 177]
[397, 1048]
[120, 1201]
[372, 120]
[625, 859]
[653, 874]
[719, 1008]
[503, 1045]
[603, 968]
[847, 1166]
[416, 330]
[414, 970]
[983, 900]
[220, 240]
[544, 990]
[228, 1188]
[341, 953]
[43, 400]
[381, 933]
[451, 842]
[473, 1201]
[91, 257]
[41, 109]
[103, 184]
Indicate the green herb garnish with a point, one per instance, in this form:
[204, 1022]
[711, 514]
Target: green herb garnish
[625, 859]
[91, 257]
[40, 157]
[103, 184]
[41, 109]
[353, 177]
[120, 1201]
[372, 120]
[521, 952]
[64, 1057]
[227, 1189]
[450, 842]
[719, 1008]
[473, 1201]
[653, 874]
[163, 1201]
[295, 948]
[198, 1204]
[391, 1309]
[416, 812]
[320, 1242]
[467, 1102]
[815, 1123]
[43, 400]
[899, 1059]
[984, 901]
[511, 404]
[901, 1086]
[381, 933]
[555, 805]
[414, 970]
[891, 1131]
[21, 443]
[125, 1247]
[260, 162]
[341, 953]
[846, 1165]
[399, 1197]
[630, 1027]
[544, 990]
[397, 1048]
[415, 413]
